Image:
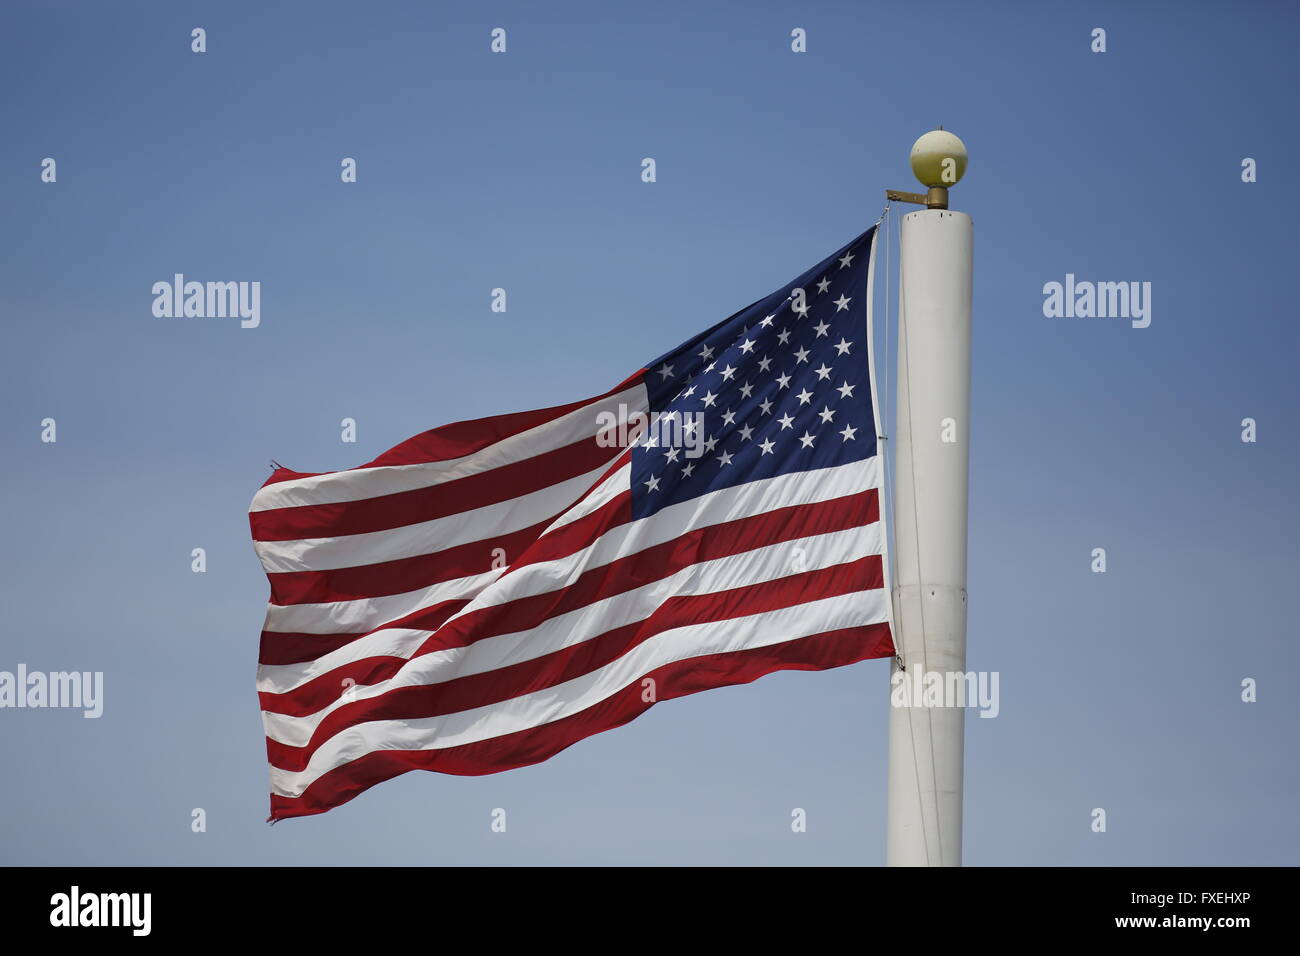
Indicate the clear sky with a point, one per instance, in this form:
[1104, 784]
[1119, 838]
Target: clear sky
[522, 171]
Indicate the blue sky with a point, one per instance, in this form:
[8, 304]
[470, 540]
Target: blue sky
[1118, 690]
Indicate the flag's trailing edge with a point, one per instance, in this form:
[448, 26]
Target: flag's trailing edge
[488, 593]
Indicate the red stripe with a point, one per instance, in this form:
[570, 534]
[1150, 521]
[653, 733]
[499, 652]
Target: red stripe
[618, 576]
[656, 562]
[283, 647]
[501, 684]
[385, 512]
[577, 534]
[403, 575]
[459, 439]
[678, 679]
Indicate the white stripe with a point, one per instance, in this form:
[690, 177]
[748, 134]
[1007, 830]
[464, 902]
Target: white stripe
[725, 504]
[385, 642]
[577, 626]
[366, 614]
[716, 507]
[562, 700]
[812, 553]
[362, 483]
[609, 489]
[427, 537]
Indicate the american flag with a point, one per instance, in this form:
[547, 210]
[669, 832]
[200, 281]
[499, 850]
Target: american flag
[488, 593]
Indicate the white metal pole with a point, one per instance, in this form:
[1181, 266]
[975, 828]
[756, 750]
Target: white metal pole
[931, 466]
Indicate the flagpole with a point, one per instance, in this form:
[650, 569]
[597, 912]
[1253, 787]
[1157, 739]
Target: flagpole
[931, 453]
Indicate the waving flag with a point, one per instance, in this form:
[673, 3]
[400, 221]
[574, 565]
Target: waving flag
[487, 593]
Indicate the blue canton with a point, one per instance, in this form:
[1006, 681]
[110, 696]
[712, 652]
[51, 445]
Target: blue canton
[781, 386]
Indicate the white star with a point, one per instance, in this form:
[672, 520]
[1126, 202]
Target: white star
[847, 260]
[786, 421]
[709, 368]
[764, 364]
[843, 346]
[783, 336]
[848, 432]
[746, 390]
[689, 392]
[652, 484]
[804, 397]
[767, 447]
[766, 406]
[710, 443]
[746, 345]
[651, 441]
[842, 303]
[666, 371]
[709, 399]
[823, 285]
[783, 381]
[705, 353]
[846, 390]
[671, 454]
[727, 373]
[827, 413]
[806, 439]
[823, 373]
[821, 328]
[800, 356]
[688, 470]
[768, 321]
[691, 426]
[728, 417]
[724, 459]
[745, 433]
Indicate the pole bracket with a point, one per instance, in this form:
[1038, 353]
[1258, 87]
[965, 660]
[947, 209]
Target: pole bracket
[936, 198]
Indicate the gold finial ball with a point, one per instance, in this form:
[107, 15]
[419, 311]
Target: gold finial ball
[938, 158]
